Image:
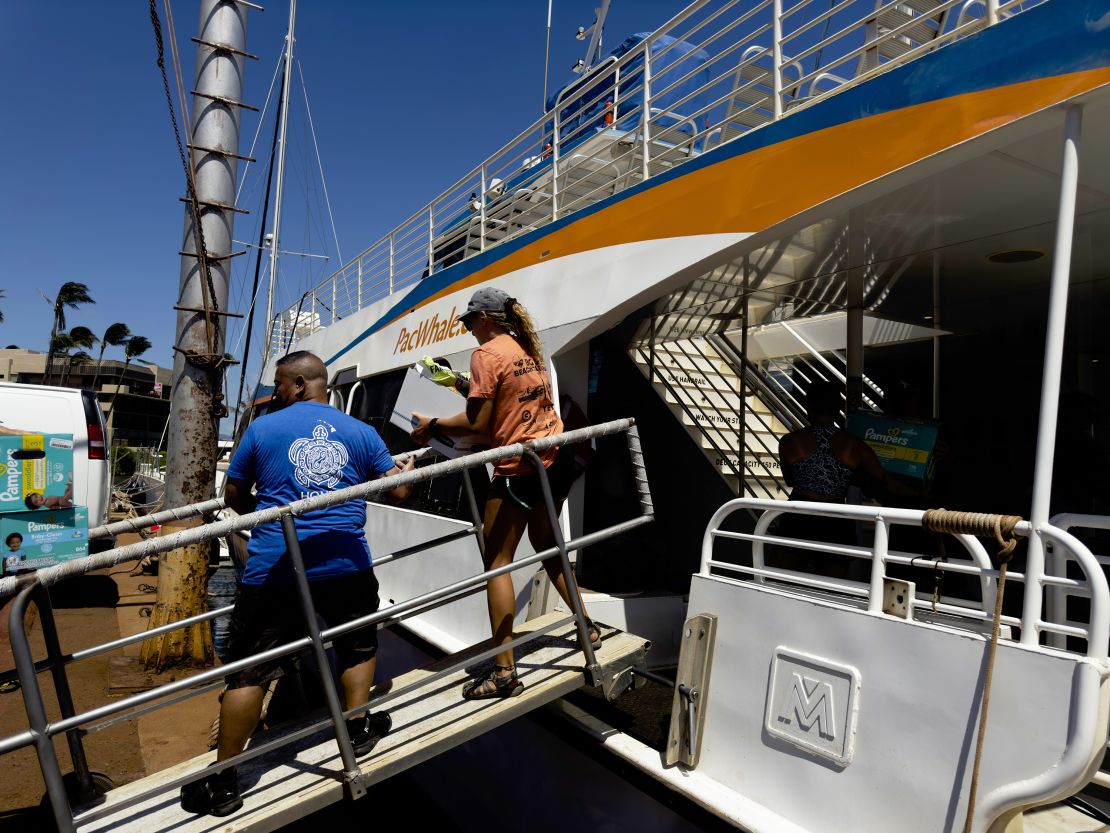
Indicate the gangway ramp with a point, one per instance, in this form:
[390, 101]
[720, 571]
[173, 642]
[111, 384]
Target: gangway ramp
[295, 781]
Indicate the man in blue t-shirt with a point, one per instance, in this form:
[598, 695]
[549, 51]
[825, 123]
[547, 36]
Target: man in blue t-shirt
[307, 448]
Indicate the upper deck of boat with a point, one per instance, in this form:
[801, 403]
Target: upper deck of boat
[715, 73]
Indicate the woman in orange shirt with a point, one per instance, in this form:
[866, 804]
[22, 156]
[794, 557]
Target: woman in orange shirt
[510, 401]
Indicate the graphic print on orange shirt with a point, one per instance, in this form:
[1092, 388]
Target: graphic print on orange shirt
[520, 388]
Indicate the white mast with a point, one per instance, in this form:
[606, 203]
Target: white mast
[276, 233]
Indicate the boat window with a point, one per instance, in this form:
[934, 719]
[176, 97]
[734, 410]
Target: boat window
[371, 400]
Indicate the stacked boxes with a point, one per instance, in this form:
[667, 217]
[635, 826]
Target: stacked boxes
[39, 525]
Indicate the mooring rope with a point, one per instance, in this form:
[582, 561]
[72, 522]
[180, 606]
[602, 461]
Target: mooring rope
[1001, 528]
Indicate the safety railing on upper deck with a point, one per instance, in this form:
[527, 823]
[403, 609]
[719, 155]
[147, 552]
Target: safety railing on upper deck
[35, 587]
[716, 71]
[873, 528]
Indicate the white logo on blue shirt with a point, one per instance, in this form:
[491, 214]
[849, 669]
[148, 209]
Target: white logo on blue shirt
[319, 461]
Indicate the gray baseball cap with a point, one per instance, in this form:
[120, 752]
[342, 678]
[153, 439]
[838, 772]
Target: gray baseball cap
[486, 299]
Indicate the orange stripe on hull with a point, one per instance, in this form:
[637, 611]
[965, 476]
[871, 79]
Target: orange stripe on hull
[756, 190]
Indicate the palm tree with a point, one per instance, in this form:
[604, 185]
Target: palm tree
[60, 345]
[77, 337]
[71, 295]
[1, 311]
[78, 359]
[135, 347]
[116, 335]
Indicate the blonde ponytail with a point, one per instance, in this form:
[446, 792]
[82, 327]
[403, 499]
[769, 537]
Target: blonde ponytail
[516, 321]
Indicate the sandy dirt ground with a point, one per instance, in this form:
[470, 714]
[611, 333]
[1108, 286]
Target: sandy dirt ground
[91, 610]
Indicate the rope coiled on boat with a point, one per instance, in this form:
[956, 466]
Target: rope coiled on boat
[1001, 528]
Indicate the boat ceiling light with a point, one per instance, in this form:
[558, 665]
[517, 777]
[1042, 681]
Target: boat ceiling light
[1015, 256]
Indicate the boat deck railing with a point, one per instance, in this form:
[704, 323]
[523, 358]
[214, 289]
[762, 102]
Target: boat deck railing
[35, 588]
[714, 72]
[876, 527]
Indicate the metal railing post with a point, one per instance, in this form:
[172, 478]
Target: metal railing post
[482, 212]
[431, 234]
[327, 680]
[86, 789]
[36, 712]
[878, 564]
[992, 12]
[575, 601]
[776, 57]
[391, 263]
[555, 163]
[334, 298]
[1050, 380]
[645, 116]
[475, 514]
[359, 266]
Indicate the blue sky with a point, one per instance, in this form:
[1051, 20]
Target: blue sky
[405, 98]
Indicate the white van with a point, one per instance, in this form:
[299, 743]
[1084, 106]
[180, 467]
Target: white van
[51, 410]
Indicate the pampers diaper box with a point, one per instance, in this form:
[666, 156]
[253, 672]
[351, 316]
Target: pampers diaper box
[39, 538]
[39, 525]
[34, 464]
[904, 446]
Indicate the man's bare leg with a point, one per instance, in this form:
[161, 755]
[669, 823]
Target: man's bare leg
[239, 713]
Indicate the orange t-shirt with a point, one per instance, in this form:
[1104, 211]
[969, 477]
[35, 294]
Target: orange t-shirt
[520, 388]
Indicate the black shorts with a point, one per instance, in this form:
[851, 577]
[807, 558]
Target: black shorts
[266, 616]
[524, 489]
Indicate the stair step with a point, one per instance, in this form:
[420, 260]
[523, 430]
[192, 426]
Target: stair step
[701, 391]
[729, 421]
[696, 396]
[710, 364]
[920, 32]
[761, 444]
[760, 469]
[685, 380]
[756, 489]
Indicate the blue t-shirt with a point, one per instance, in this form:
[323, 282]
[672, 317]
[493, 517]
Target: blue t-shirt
[308, 449]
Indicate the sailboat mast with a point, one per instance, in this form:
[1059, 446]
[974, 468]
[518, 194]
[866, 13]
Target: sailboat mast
[205, 263]
[276, 233]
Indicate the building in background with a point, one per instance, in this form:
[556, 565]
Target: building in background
[142, 404]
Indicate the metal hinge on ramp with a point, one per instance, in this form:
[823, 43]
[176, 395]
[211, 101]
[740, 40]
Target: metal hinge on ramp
[691, 690]
[429, 717]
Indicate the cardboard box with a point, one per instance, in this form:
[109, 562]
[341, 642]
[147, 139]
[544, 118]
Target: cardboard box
[904, 446]
[38, 538]
[39, 464]
[422, 396]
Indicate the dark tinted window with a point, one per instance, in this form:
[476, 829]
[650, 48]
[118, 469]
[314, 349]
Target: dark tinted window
[372, 401]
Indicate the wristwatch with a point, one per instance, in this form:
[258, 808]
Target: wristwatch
[432, 423]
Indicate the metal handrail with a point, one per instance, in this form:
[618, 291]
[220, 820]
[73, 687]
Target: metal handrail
[73, 725]
[1096, 632]
[719, 27]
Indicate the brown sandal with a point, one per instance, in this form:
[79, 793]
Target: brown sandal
[494, 685]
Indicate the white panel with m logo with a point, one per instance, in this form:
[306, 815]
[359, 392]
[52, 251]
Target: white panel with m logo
[812, 703]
